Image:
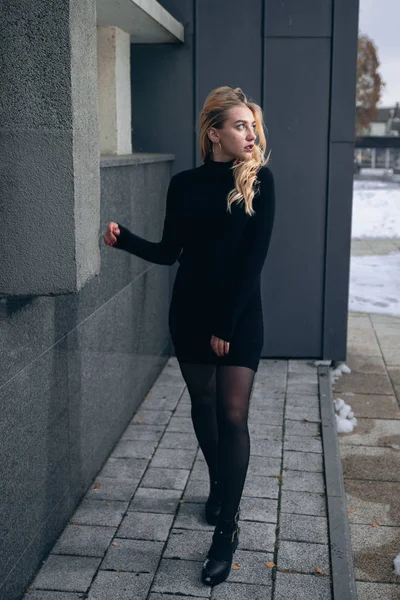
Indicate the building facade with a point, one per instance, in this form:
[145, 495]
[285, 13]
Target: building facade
[379, 145]
[99, 106]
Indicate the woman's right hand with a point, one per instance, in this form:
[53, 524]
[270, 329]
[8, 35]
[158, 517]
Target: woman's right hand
[111, 233]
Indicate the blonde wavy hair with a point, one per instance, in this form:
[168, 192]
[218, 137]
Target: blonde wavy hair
[213, 114]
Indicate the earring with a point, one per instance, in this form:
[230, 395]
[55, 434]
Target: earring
[220, 147]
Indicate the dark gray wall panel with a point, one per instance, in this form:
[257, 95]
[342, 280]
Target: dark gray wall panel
[296, 108]
[162, 100]
[294, 18]
[234, 59]
[340, 183]
[338, 250]
[182, 11]
[344, 71]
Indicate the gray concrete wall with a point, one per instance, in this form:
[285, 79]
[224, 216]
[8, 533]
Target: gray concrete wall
[49, 147]
[288, 57]
[73, 369]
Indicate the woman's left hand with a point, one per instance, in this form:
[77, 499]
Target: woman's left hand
[219, 346]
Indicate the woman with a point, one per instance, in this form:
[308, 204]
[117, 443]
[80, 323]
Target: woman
[218, 225]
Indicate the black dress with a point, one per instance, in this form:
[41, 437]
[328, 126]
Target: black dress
[221, 255]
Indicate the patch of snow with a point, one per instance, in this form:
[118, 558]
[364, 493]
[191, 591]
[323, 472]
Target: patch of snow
[344, 411]
[376, 209]
[375, 280]
[338, 372]
[344, 425]
[375, 284]
[345, 419]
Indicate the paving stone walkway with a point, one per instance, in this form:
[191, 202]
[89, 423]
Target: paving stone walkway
[371, 453]
[140, 534]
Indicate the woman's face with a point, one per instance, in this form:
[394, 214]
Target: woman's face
[236, 137]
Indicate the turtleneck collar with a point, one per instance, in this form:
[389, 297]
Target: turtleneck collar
[218, 166]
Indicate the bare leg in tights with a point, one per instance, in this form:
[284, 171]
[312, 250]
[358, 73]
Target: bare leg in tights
[234, 386]
[201, 384]
[220, 404]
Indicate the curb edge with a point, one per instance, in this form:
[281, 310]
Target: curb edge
[341, 554]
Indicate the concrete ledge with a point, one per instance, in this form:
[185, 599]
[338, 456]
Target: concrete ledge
[138, 158]
[146, 20]
[343, 579]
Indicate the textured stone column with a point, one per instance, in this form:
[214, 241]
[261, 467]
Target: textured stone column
[113, 47]
[49, 147]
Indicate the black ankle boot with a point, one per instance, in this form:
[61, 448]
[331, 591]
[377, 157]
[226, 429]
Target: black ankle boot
[218, 563]
[213, 504]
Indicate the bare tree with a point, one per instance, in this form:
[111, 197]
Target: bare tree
[369, 83]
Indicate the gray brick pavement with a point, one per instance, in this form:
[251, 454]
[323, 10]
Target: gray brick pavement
[140, 532]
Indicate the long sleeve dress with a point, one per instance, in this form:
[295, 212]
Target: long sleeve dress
[221, 255]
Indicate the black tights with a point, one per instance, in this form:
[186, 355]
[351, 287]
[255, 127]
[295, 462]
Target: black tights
[220, 404]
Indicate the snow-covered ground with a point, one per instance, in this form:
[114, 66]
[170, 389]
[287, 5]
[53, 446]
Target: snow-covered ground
[376, 209]
[375, 280]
